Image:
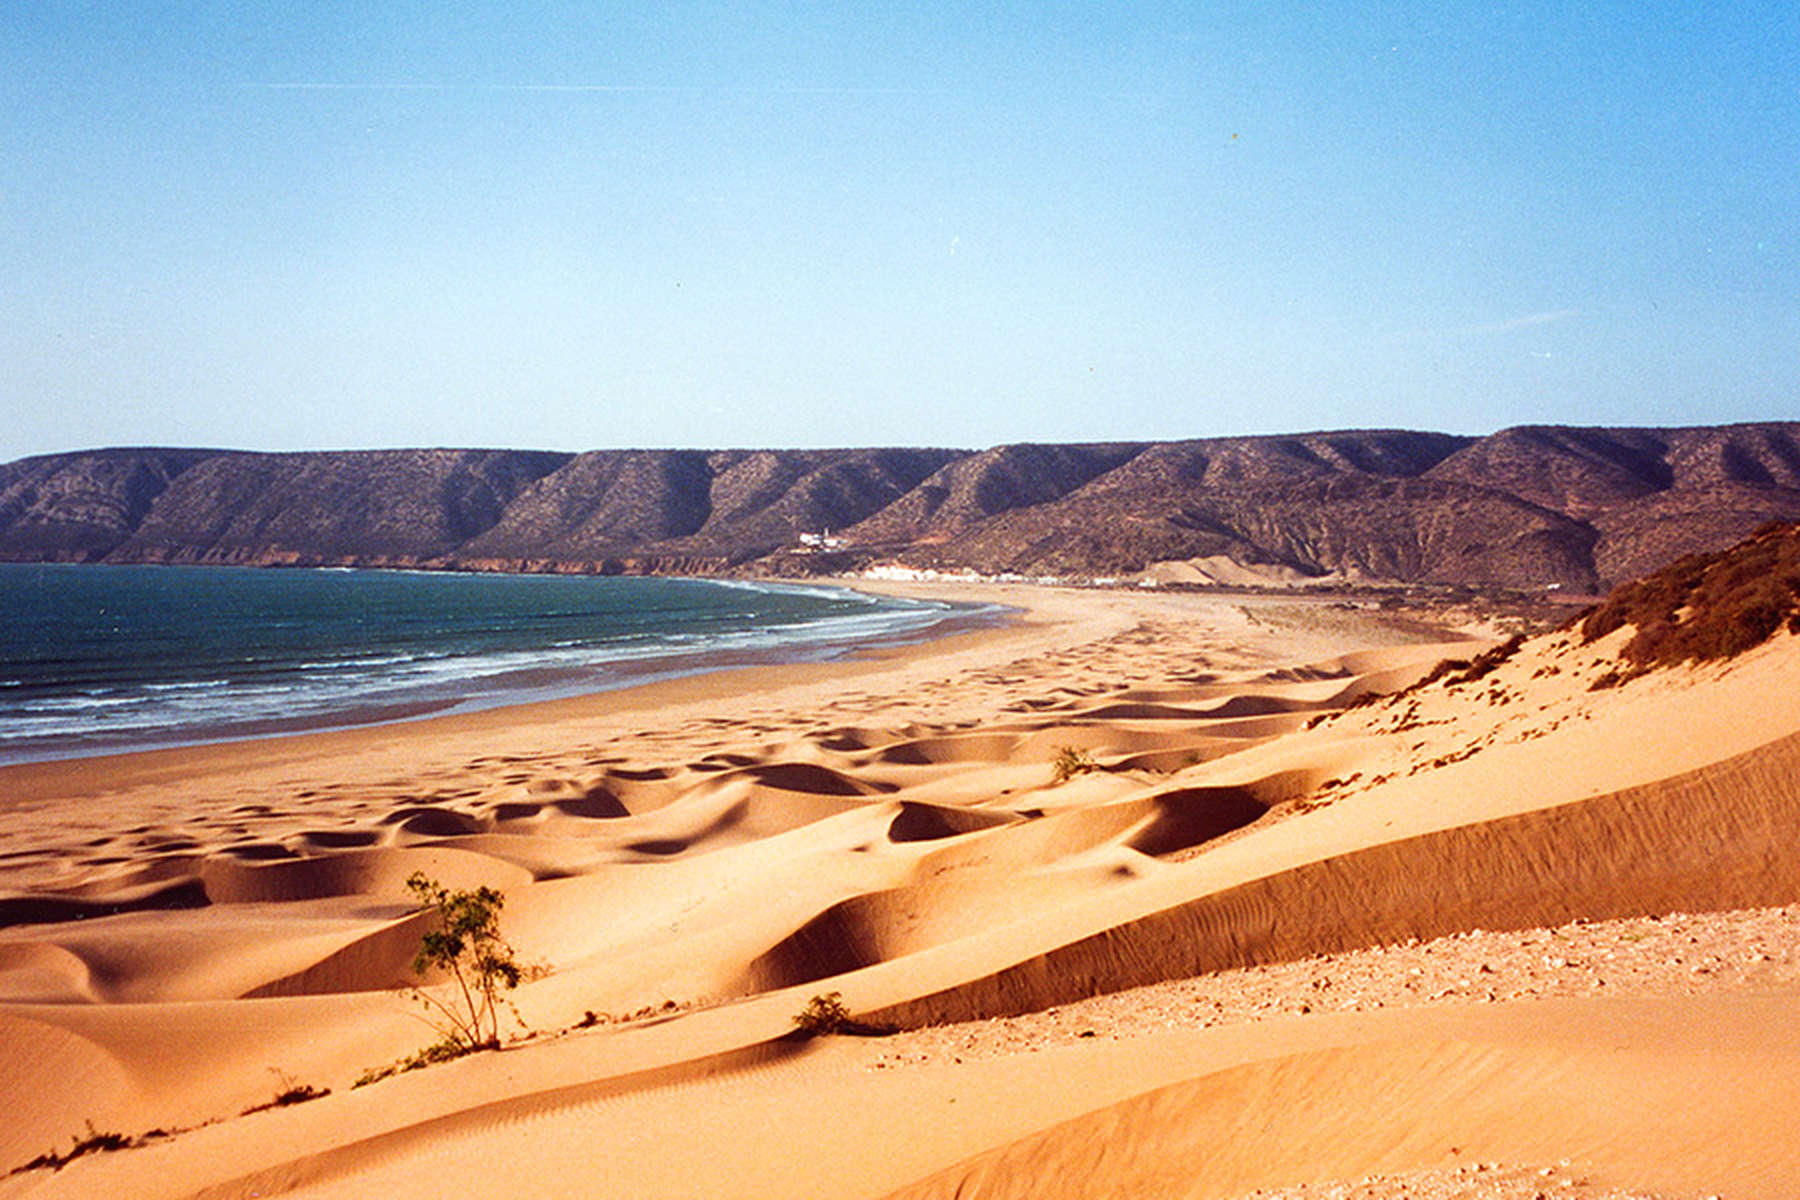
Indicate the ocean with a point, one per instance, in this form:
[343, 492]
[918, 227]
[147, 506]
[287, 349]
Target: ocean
[96, 659]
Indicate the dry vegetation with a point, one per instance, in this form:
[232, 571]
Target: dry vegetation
[1707, 606]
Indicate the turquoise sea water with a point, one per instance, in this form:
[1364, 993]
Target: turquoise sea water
[101, 658]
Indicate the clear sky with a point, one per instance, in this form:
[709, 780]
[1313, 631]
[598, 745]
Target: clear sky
[288, 224]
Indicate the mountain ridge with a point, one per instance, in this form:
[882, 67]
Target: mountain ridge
[1530, 506]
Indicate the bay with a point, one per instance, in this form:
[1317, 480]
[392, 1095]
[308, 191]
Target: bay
[102, 658]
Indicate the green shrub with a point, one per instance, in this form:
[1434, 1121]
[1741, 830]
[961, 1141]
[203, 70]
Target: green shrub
[438, 1052]
[465, 943]
[826, 1014]
[1070, 762]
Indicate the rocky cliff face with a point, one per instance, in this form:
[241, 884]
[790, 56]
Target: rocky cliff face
[80, 507]
[366, 507]
[1524, 507]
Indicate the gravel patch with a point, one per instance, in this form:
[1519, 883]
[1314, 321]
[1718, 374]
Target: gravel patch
[1477, 1181]
[1678, 954]
[1675, 954]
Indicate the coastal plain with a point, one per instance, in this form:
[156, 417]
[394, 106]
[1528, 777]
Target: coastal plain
[1198, 895]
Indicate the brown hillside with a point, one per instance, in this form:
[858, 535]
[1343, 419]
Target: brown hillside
[984, 485]
[81, 506]
[1527, 508]
[602, 503]
[374, 507]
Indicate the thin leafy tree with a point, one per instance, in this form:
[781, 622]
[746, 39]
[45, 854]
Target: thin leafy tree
[466, 945]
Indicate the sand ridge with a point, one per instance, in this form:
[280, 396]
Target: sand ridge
[687, 863]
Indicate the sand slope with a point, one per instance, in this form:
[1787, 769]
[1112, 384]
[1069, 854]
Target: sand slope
[686, 865]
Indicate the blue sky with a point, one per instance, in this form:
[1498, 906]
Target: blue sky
[298, 225]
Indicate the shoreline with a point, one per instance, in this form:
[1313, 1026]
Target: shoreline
[731, 675]
[1037, 622]
[524, 687]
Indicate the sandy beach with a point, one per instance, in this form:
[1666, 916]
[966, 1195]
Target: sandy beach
[1161, 894]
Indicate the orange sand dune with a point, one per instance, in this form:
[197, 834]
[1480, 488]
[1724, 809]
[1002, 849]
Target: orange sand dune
[1115, 789]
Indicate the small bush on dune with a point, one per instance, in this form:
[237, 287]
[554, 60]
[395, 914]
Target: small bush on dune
[467, 946]
[827, 1014]
[1445, 667]
[94, 1141]
[438, 1052]
[1070, 762]
[464, 943]
[288, 1091]
[1489, 661]
[823, 1015]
